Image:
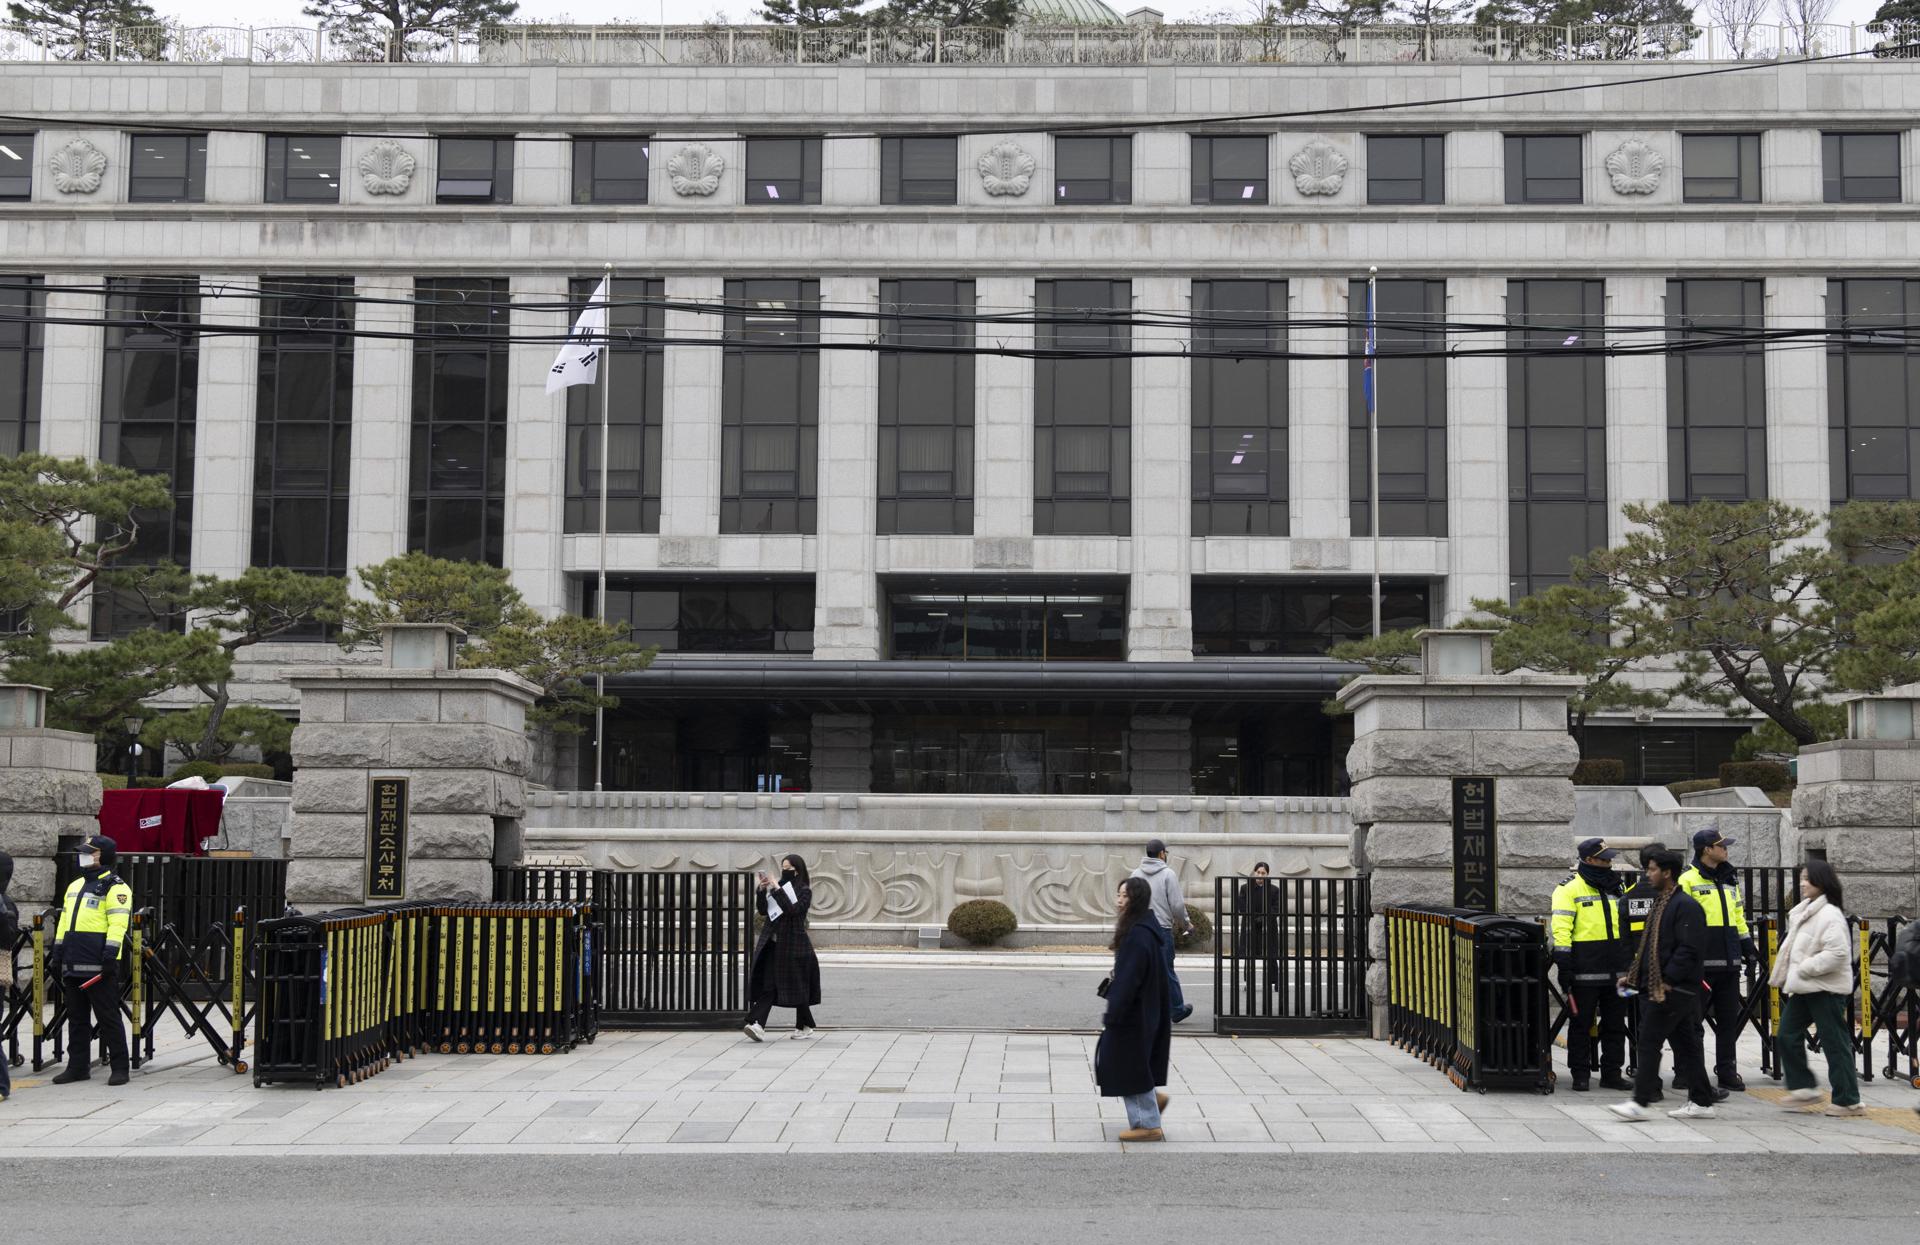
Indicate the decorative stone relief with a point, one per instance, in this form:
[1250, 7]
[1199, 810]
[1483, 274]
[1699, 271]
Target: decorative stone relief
[386, 168]
[1319, 168]
[77, 168]
[1006, 169]
[695, 170]
[1635, 168]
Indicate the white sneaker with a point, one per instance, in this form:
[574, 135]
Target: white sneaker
[1848, 1112]
[1693, 1111]
[803, 1035]
[1797, 1099]
[1631, 1111]
[755, 1032]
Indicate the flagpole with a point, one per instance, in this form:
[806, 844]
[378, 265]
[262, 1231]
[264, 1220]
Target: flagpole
[1373, 444]
[600, 599]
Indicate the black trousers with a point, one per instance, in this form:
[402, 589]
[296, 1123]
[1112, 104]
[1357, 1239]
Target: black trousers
[763, 1008]
[88, 1009]
[1676, 1020]
[1722, 1011]
[1596, 1004]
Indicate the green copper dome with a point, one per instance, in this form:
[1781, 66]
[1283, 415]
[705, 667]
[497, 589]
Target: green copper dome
[1068, 13]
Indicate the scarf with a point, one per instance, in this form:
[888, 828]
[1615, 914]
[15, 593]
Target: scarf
[1649, 952]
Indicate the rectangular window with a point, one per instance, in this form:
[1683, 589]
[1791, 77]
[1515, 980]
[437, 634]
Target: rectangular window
[636, 360]
[1873, 389]
[1861, 168]
[475, 170]
[1299, 617]
[1411, 397]
[1405, 168]
[1002, 621]
[710, 616]
[22, 310]
[1543, 168]
[167, 168]
[919, 169]
[770, 407]
[457, 469]
[1082, 409]
[926, 408]
[1093, 168]
[1556, 432]
[149, 400]
[1720, 168]
[1716, 392]
[988, 754]
[783, 170]
[1239, 408]
[1229, 168]
[610, 170]
[16, 166]
[304, 413]
[303, 168]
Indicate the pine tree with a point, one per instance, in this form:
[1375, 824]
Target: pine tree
[810, 13]
[391, 29]
[989, 14]
[1898, 21]
[82, 30]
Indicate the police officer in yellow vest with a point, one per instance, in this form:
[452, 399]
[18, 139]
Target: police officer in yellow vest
[1715, 884]
[1590, 952]
[86, 954]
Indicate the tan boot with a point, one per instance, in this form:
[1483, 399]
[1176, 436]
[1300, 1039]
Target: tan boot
[1162, 1099]
[1143, 1134]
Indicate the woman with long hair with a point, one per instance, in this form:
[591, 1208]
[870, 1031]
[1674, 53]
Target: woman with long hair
[1813, 970]
[786, 972]
[1136, 1036]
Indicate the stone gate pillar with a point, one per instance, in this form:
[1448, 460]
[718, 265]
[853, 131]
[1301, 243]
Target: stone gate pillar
[457, 738]
[47, 790]
[1858, 800]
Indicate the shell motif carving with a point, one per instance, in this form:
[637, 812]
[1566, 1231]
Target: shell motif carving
[386, 168]
[1318, 169]
[1006, 169]
[77, 168]
[695, 171]
[1635, 168]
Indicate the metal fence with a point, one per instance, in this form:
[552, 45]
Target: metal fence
[1290, 956]
[676, 948]
[1467, 992]
[714, 44]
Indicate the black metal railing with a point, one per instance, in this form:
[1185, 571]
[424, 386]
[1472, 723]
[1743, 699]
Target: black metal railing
[1290, 956]
[1467, 992]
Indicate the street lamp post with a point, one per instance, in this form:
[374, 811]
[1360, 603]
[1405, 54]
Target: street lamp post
[133, 750]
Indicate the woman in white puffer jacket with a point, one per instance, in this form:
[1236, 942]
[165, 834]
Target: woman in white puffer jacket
[1813, 971]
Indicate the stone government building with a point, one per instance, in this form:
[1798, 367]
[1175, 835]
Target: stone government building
[882, 571]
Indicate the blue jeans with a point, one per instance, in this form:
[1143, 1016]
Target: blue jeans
[1143, 1110]
[1166, 950]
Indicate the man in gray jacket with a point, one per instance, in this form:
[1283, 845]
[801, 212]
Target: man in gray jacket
[1169, 913]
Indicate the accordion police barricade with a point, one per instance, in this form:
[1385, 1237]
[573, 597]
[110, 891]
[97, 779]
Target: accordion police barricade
[1467, 992]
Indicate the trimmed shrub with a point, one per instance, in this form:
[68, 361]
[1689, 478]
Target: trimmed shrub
[208, 770]
[981, 922]
[112, 782]
[1766, 775]
[1600, 772]
[245, 769]
[1202, 936]
[1679, 789]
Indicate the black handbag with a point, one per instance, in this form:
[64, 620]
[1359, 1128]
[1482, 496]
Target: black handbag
[1106, 984]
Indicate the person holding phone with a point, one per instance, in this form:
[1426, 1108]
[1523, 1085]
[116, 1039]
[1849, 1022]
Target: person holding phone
[1136, 1034]
[786, 972]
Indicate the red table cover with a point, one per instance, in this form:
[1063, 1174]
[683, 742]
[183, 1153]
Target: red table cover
[160, 819]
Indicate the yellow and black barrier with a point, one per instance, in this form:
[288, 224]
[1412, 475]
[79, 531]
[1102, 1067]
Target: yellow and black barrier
[1467, 992]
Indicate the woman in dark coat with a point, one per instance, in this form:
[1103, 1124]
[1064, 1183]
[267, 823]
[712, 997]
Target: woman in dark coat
[1256, 925]
[1136, 1036]
[786, 972]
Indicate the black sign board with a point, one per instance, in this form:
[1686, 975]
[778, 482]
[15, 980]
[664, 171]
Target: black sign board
[386, 838]
[1476, 879]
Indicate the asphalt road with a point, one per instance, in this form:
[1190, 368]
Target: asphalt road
[859, 1199]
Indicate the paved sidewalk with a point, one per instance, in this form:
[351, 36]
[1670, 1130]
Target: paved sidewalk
[862, 1091]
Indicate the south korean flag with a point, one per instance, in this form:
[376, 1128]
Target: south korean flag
[579, 360]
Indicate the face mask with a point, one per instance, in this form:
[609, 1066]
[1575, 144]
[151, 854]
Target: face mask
[87, 860]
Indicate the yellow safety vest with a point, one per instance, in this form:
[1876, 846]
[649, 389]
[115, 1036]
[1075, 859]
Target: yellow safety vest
[1725, 910]
[93, 924]
[1587, 923]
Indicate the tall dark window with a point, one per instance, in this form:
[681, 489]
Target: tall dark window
[1019, 621]
[1720, 168]
[920, 169]
[149, 399]
[1093, 168]
[1406, 168]
[610, 170]
[1412, 404]
[1299, 617]
[633, 416]
[1716, 393]
[1083, 408]
[783, 170]
[989, 754]
[1556, 432]
[303, 440]
[303, 168]
[22, 309]
[1229, 168]
[457, 469]
[710, 616]
[1543, 168]
[770, 407]
[167, 168]
[926, 408]
[16, 166]
[1861, 168]
[1873, 390]
[475, 170]
[1239, 409]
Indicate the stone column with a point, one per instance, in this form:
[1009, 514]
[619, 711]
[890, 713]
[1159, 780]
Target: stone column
[1797, 435]
[71, 368]
[1858, 801]
[47, 790]
[382, 423]
[1159, 592]
[842, 752]
[225, 427]
[1160, 754]
[690, 437]
[1479, 564]
[537, 445]
[1636, 405]
[1003, 434]
[459, 736]
[847, 604]
[1317, 424]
